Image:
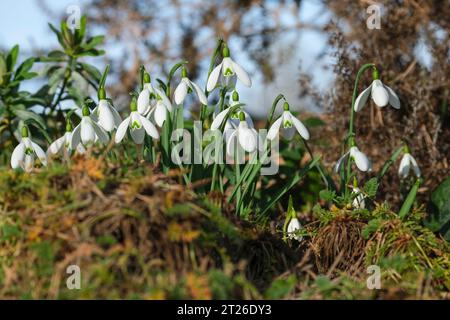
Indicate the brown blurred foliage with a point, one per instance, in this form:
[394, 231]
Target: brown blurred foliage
[423, 118]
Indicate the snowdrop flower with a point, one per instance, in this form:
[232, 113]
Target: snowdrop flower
[361, 160]
[292, 228]
[247, 137]
[187, 86]
[233, 119]
[88, 131]
[227, 68]
[24, 154]
[381, 94]
[137, 124]
[147, 97]
[107, 115]
[358, 201]
[405, 165]
[161, 108]
[64, 141]
[288, 125]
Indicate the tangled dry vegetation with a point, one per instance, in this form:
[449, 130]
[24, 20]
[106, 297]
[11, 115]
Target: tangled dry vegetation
[136, 233]
[406, 28]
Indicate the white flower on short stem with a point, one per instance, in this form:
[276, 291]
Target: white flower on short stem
[381, 94]
[406, 164]
[293, 227]
[64, 143]
[358, 201]
[246, 137]
[288, 125]
[24, 154]
[185, 86]
[88, 131]
[137, 124]
[361, 160]
[147, 97]
[161, 108]
[228, 68]
[105, 114]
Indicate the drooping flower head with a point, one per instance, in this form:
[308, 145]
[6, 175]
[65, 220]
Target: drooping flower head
[63, 144]
[246, 137]
[105, 114]
[293, 227]
[186, 86]
[228, 69]
[358, 196]
[162, 107]
[407, 163]
[361, 160]
[137, 125]
[87, 131]
[293, 224]
[288, 125]
[147, 97]
[381, 94]
[25, 153]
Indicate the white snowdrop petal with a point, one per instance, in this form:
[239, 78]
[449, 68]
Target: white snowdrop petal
[143, 101]
[18, 155]
[180, 92]
[100, 133]
[361, 160]
[122, 130]
[105, 116]
[274, 128]
[165, 101]
[28, 163]
[247, 139]
[138, 135]
[302, 130]
[213, 77]
[293, 226]
[241, 74]
[393, 98]
[87, 131]
[379, 94]
[361, 101]
[219, 119]
[201, 95]
[358, 201]
[56, 145]
[231, 141]
[403, 169]
[414, 166]
[76, 137]
[160, 114]
[116, 115]
[150, 128]
[40, 153]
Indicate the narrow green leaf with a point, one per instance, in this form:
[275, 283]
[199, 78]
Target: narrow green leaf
[409, 201]
[11, 59]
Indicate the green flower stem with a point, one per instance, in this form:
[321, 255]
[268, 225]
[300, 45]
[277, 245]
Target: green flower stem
[351, 132]
[355, 94]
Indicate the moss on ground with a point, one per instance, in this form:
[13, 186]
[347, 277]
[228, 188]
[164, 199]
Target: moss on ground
[139, 234]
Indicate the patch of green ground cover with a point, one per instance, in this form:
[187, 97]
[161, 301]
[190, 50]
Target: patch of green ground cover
[138, 234]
